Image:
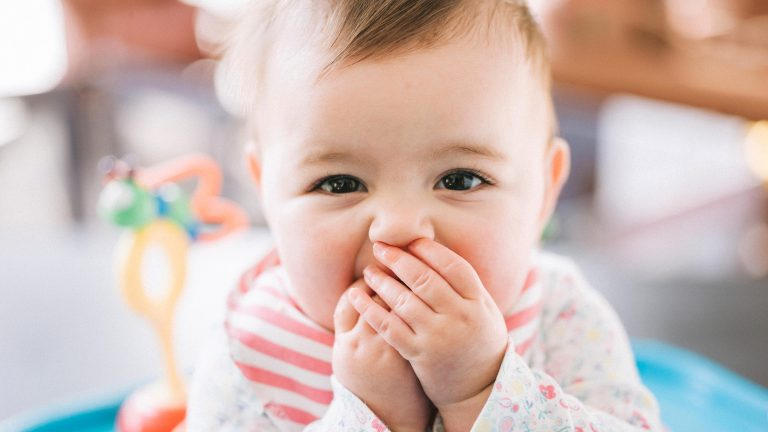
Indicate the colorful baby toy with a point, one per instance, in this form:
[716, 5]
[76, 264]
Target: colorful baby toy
[157, 212]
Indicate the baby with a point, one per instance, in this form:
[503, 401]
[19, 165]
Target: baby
[406, 159]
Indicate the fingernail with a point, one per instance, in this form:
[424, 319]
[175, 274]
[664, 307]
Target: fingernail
[343, 302]
[379, 250]
[352, 295]
[341, 307]
[368, 274]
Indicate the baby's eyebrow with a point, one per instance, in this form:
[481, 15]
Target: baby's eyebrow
[460, 149]
[331, 156]
[465, 148]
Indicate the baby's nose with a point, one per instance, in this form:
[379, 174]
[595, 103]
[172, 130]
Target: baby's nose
[399, 222]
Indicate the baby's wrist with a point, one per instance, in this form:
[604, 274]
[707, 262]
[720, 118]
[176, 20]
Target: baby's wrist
[415, 416]
[461, 415]
[408, 428]
[399, 423]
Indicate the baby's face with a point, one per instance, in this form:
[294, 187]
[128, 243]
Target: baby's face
[448, 143]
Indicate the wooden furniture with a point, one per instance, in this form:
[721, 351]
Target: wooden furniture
[605, 47]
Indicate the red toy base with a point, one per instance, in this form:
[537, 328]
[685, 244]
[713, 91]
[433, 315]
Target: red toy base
[144, 412]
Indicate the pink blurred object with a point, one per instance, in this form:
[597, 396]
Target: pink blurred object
[112, 33]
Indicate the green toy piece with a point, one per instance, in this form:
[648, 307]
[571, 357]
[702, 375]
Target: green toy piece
[125, 204]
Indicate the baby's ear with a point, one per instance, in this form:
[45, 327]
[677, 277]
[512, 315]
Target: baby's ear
[556, 170]
[253, 162]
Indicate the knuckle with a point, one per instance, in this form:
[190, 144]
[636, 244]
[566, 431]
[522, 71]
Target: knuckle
[369, 316]
[347, 344]
[422, 280]
[364, 310]
[396, 257]
[354, 344]
[456, 266]
[402, 301]
[374, 320]
[384, 327]
[464, 317]
[416, 350]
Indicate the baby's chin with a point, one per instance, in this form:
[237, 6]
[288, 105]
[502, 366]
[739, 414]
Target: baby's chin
[321, 318]
[318, 310]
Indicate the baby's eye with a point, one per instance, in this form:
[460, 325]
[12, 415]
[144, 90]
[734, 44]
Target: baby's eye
[461, 181]
[340, 184]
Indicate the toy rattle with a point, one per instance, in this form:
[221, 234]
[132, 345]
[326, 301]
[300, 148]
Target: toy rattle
[157, 212]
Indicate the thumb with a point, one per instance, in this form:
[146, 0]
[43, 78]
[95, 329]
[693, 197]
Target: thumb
[345, 316]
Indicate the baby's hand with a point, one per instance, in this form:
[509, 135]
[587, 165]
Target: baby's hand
[371, 369]
[442, 320]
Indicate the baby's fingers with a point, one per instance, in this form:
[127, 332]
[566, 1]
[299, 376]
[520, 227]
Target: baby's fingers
[387, 324]
[345, 316]
[454, 269]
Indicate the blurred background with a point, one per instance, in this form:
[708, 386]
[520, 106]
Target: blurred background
[666, 209]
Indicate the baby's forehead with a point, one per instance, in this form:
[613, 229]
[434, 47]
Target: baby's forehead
[344, 32]
[327, 58]
[448, 100]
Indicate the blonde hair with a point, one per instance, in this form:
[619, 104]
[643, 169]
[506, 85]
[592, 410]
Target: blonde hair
[356, 30]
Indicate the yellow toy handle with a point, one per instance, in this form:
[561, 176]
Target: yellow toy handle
[158, 309]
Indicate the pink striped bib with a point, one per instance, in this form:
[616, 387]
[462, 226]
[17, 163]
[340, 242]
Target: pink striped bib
[287, 357]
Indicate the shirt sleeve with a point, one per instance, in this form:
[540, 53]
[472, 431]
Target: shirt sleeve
[347, 412]
[589, 381]
[222, 399]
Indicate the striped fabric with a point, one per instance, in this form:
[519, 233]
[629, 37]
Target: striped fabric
[287, 357]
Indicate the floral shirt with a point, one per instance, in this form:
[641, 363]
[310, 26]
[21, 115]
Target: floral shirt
[575, 371]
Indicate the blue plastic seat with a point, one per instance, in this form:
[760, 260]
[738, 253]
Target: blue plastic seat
[91, 415]
[695, 395]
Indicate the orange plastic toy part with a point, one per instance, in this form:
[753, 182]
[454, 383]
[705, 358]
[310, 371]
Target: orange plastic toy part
[149, 411]
[205, 201]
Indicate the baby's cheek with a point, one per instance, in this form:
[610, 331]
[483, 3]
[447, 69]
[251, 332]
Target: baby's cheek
[320, 270]
[501, 264]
